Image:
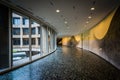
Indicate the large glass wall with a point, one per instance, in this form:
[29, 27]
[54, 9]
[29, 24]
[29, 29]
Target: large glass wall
[24, 39]
[20, 39]
[35, 39]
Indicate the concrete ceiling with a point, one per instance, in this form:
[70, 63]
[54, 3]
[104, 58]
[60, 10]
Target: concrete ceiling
[74, 12]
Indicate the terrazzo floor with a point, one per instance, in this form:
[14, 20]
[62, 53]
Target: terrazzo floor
[67, 63]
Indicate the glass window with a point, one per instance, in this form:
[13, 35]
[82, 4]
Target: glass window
[16, 41]
[25, 21]
[16, 31]
[25, 41]
[38, 41]
[33, 30]
[38, 30]
[20, 51]
[33, 41]
[16, 20]
[35, 50]
[25, 31]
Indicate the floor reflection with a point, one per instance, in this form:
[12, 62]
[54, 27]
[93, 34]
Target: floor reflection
[67, 63]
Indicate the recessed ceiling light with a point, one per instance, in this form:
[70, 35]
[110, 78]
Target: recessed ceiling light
[92, 9]
[57, 10]
[87, 22]
[65, 22]
[89, 17]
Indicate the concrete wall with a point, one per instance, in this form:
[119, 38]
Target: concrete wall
[103, 39]
[72, 41]
[111, 42]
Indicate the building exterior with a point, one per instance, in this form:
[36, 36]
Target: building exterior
[20, 32]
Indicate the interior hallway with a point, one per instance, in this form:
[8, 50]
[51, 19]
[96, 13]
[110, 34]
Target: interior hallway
[66, 63]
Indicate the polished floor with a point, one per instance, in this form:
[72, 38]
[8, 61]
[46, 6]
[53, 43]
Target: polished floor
[67, 63]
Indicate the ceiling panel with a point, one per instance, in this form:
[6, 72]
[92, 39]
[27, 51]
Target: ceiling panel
[74, 12]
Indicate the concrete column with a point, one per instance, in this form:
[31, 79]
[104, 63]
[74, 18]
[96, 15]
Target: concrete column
[55, 40]
[36, 42]
[10, 40]
[30, 37]
[51, 40]
[21, 32]
[44, 39]
[36, 39]
[36, 30]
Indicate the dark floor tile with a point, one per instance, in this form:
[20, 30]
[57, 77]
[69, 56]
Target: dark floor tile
[67, 63]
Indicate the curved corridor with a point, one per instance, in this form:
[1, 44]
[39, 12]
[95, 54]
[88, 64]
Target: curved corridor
[67, 63]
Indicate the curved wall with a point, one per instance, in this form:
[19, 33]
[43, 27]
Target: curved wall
[111, 42]
[104, 39]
